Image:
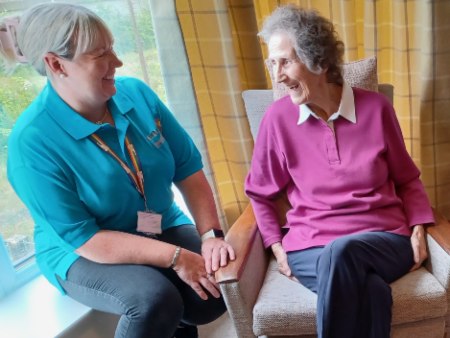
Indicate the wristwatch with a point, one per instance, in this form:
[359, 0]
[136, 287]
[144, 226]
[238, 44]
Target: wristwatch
[213, 233]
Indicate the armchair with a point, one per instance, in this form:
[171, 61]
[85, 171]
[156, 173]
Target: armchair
[263, 303]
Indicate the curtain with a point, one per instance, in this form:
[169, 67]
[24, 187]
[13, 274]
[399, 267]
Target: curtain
[409, 38]
[225, 58]
[177, 80]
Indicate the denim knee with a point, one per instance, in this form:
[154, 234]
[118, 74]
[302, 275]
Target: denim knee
[150, 301]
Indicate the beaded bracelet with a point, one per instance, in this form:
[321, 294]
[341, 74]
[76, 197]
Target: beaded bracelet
[175, 257]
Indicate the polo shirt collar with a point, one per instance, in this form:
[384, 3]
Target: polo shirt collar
[72, 122]
[346, 108]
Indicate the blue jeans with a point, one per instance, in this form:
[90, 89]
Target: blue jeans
[351, 277]
[151, 301]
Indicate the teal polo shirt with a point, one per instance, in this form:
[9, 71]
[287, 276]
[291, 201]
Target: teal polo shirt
[73, 188]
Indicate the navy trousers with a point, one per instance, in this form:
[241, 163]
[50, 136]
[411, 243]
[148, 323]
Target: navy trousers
[152, 302]
[351, 277]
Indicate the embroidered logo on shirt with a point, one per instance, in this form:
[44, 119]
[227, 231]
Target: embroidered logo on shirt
[156, 138]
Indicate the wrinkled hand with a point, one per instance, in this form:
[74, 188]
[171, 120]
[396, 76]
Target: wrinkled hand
[216, 253]
[190, 268]
[281, 258]
[419, 246]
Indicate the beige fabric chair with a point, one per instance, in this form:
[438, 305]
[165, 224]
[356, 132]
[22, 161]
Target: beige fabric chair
[263, 303]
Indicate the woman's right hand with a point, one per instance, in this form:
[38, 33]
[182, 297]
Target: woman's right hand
[281, 258]
[190, 267]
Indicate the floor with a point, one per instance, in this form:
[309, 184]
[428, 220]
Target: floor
[100, 325]
[220, 328]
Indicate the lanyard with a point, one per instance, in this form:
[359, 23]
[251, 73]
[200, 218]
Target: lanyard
[137, 177]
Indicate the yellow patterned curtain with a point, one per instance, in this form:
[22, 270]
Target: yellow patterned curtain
[225, 58]
[409, 38]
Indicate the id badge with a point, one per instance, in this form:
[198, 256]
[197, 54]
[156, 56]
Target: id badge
[149, 222]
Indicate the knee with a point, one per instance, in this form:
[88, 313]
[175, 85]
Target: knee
[341, 251]
[155, 303]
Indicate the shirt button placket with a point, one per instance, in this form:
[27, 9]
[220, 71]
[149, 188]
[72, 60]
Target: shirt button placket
[331, 145]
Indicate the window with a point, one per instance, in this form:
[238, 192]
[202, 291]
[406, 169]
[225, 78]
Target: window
[16, 226]
[131, 24]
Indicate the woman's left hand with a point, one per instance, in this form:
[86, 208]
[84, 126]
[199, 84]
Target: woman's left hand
[216, 253]
[419, 246]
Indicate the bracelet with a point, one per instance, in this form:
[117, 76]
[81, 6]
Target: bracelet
[175, 257]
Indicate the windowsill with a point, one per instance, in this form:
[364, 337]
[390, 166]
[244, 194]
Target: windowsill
[38, 310]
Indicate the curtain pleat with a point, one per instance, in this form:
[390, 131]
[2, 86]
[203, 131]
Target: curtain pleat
[225, 58]
[178, 81]
[433, 94]
[409, 38]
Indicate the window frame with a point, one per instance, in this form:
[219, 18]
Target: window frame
[12, 276]
[15, 274]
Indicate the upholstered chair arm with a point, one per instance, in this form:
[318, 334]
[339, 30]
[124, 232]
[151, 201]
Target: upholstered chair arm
[438, 238]
[241, 280]
[440, 231]
[438, 262]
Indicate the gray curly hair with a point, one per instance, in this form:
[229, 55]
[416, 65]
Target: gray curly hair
[67, 30]
[314, 38]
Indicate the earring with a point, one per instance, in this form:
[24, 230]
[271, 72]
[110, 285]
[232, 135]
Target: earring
[62, 75]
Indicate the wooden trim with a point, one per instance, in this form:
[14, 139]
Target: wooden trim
[440, 231]
[241, 237]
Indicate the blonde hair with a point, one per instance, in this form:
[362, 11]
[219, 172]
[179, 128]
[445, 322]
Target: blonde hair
[66, 30]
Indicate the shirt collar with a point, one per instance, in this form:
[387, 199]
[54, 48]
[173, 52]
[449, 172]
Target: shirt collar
[346, 108]
[72, 122]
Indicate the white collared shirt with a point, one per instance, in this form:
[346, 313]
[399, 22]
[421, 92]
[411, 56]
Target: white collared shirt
[346, 109]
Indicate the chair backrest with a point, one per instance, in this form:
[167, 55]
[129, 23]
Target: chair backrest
[256, 102]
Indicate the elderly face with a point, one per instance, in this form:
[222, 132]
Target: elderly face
[290, 71]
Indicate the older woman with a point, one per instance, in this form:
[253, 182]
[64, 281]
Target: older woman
[358, 205]
[94, 158]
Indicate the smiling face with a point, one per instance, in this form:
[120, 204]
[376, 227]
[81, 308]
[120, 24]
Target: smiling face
[89, 77]
[290, 71]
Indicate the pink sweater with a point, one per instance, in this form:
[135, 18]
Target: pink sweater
[359, 179]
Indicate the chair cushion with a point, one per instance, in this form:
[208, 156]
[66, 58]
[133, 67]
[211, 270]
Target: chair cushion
[361, 73]
[285, 307]
[417, 296]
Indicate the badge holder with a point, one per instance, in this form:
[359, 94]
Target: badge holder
[149, 223]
